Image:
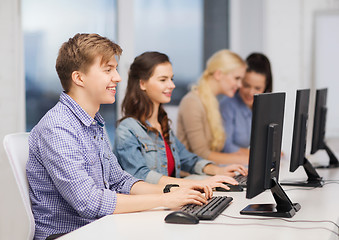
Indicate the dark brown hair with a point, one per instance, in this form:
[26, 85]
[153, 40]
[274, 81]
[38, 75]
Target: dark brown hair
[79, 53]
[136, 103]
[259, 63]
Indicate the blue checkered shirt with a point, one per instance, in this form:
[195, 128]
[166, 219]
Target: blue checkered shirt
[73, 175]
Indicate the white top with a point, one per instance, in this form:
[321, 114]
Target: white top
[316, 204]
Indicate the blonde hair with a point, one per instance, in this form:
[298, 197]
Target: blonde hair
[225, 61]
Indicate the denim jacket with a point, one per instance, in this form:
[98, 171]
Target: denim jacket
[143, 154]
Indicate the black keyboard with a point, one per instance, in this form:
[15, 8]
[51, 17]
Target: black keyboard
[242, 180]
[209, 211]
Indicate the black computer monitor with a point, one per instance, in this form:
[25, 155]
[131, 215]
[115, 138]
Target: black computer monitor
[299, 142]
[265, 151]
[319, 128]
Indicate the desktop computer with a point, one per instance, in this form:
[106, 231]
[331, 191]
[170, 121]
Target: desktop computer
[265, 150]
[319, 128]
[299, 143]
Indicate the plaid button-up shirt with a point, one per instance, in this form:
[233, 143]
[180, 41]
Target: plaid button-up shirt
[72, 173]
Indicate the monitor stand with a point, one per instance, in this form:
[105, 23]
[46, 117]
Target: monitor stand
[284, 207]
[313, 180]
[334, 163]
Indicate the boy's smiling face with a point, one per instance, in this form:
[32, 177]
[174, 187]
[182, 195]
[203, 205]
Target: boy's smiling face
[100, 81]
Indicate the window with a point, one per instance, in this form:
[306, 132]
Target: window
[173, 27]
[180, 29]
[46, 25]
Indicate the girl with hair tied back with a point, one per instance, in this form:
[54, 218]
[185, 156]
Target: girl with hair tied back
[237, 111]
[144, 143]
[200, 126]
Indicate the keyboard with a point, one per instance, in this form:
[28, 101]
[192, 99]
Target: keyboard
[242, 180]
[209, 211]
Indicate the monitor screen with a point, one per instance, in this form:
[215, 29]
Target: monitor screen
[265, 152]
[265, 145]
[299, 142]
[319, 122]
[319, 128]
[299, 129]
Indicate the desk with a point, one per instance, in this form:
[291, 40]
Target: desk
[316, 204]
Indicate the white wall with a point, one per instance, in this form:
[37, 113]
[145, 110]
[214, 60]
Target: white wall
[246, 26]
[126, 41]
[326, 64]
[285, 33]
[12, 91]
[12, 111]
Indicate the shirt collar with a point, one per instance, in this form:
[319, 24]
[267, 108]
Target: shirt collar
[81, 114]
[149, 125]
[246, 111]
[237, 96]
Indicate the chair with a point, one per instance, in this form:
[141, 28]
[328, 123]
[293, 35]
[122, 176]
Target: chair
[16, 148]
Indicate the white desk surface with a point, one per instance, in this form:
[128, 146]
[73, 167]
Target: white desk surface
[316, 204]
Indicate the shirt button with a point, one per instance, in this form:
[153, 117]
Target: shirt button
[93, 123]
[95, 137]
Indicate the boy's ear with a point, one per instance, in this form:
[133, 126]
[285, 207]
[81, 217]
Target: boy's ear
[142, 85]
[77, 78]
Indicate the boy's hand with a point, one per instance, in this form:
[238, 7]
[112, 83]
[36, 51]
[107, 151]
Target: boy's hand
[181, 196]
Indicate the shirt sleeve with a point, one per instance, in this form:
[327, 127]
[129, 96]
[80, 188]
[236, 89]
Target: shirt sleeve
[128, 151]
[189, 161]
[191, 117]
[120, 180]
[227, 113]
[63, 159]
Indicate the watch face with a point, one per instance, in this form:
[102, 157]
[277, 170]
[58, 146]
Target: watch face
[168, 187]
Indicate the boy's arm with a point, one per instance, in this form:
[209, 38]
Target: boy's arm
[146, 196]
[63, 158]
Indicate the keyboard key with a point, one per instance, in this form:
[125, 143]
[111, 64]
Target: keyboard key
[209, 211]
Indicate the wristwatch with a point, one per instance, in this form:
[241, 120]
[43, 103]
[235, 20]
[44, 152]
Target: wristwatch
[168, 187]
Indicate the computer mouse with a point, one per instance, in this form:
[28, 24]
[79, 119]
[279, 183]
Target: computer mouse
[233, 188]
[181, 217]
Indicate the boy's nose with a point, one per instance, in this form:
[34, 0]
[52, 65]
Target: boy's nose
[116, 77]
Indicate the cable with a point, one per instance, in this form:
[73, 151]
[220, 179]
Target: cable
[269, 225]
[301, 188]
[326, 182]
[283, 219]
[331, 182]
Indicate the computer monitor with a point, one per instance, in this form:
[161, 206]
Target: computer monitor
[299, 143]
[265, 151]
[319, 127]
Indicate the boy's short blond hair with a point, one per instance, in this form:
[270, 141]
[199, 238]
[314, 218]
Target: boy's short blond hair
[79, 53]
